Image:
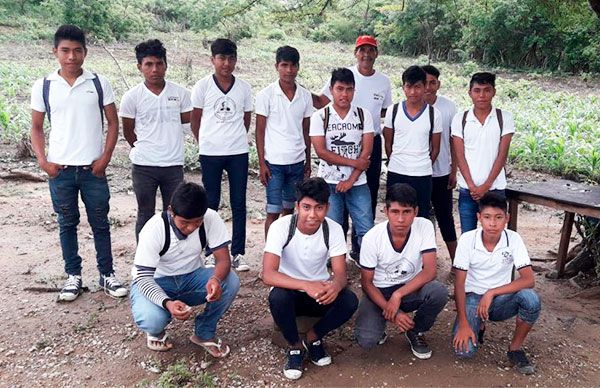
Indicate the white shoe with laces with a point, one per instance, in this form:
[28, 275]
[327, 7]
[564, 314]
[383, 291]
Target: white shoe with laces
[72, 289]
[239, 264]
[112, 286]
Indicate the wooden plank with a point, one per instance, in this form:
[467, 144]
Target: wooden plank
[513, 212]
[568, 192]
[556, 204]
[563, 247]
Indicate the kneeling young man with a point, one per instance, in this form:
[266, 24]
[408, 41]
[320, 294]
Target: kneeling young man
[295, 264]
[398, 275]
[483, 288]
[169, 275]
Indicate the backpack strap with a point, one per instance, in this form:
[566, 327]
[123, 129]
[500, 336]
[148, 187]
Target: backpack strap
[464, 122]
[394, 114]
[100, 92]
[202, 233]
[165, 248]
[326, 233]
[291, 230]
[431, 119]
[326, 115]
[500, 120]
[361, 117]
[46, 96]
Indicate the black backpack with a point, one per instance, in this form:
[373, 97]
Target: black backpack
[97, 85]
[498, 116]
[292, 231]
[361, 117]
[395, 112]
[165, 248]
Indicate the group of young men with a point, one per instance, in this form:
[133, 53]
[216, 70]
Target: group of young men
[183, 258]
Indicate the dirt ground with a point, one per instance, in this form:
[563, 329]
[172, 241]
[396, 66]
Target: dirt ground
[94, 342]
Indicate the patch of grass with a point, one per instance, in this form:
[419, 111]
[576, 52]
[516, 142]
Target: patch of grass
[179, 374]
[88, 325]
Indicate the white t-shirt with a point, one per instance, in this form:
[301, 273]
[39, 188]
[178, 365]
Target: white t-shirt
[305, 257]
[284, 138]
[393, 266]
[344, 137]
[374, 93]
[410, 150]
[487, 270]
[76, 130]
[183, 256]
[482, 143]
[222, 130]
[158, 127]
[443, 164]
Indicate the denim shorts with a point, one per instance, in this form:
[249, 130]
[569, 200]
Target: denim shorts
[281, 188]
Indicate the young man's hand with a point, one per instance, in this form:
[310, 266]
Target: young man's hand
[307, 169]
[314, 289]
[462, 337]
[452, 180]
[344, 186]
[265, 173]
[331, 291]
[52, 169]
[213, 290]
[362, 163]
[99, 167]
[479, 191]
[483, 308]
[179, 310]
[404, 321]
[392, 307]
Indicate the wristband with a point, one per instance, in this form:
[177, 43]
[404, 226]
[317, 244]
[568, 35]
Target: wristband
[164, 303]
[217, 279]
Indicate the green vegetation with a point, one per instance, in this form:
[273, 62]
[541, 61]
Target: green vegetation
[179, 375]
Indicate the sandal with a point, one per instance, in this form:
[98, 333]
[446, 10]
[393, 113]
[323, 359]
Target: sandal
[159, 344]
[216, 349]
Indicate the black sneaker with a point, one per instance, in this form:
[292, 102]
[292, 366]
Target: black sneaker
[111, 285]
[317, 353]
[520, 360]
[72, 289]
[293, 367]
[418, 345]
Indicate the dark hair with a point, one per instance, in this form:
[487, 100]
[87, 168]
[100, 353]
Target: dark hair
[343, 75]
[494, 200]
[224, 47]
[288, 54]
[189, 200]
[150, 48]
[69, 32]
[413, 75]
[403, 194]
[431, 70]
[314, 188]
[483, 78]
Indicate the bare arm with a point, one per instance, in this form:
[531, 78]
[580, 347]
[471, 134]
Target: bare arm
[261, 125]
[388, 137]
[38, 143]
[435, 146]
[247, 120]
[319, 101]
[112, 135]
[129, 130]
[272, 277]
[305, 134]
[195, 119]
[366, 282]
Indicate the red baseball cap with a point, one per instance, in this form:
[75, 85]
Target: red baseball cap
[366, 39]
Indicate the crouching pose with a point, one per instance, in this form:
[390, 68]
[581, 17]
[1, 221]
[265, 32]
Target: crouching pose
[398, 275]
[169, 276]
[483, 288]
[295, 264]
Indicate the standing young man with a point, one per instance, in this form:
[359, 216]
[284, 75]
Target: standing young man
[444, 167]
[169, 276]
[295, 265]
[283, 112]
[481, 138]
[342, 135]
[220, 122]
[483, 289]
[398, 275]
[76, 102]
[373, 93]
[153, 114]
[412, 131]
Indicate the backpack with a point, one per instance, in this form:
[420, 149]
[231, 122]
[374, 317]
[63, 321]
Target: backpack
[165, 248]
[97, 85]
[361, 117]
[395, 112]
[498, 116]
[292, 231]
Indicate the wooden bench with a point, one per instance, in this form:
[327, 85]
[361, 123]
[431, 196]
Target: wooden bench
[571, 197]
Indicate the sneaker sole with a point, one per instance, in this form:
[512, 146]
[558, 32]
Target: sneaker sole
[118, 294]
[242, 268]
[69, 297]
[421, 356]
[292, 374]
[322, 362]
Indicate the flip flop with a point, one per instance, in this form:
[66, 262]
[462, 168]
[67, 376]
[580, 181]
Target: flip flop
[159, 344]
[211, 347]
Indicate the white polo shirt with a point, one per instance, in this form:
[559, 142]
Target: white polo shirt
[284, 138]
[482, 142]
[374, 93]
[410, 150]
[443, 164]
[183, 256]
[487, 270]
[76, 130]
[344, 137]
[305, 257]
[160, 134]
[394, 266]
[222, 130]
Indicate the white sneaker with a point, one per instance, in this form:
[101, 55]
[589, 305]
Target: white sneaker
[112, 285]
[209, 261]
[72, 289]
[239, 264]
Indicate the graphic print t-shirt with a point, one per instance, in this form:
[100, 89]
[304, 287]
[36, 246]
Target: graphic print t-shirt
[344, 137]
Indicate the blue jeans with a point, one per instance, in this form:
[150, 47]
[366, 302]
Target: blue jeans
[236, 167]
[281, 188]
[468, 209]
[525, 304]
[64, 191]
[190, 289]
[358, 202]
[428, 302]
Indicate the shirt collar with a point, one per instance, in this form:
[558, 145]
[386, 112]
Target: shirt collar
[54, 76]
[180, 236]
[471, 115]
[502, 243]
[279, 91]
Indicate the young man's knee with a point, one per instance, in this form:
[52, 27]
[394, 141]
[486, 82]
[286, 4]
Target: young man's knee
[231, 284]
[279, 297]
[366, 342]
[529, 305]
[348, 301]
[469, 353]
[150, 322]
[436, 293]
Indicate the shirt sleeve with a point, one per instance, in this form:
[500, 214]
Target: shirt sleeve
[216, 231]
[387, 121]
[127, 108]
[107, 90]
[186, 101]
[337, 242]
[368, 250]
[428, 232]
[368, 122]
[508, 123]
[277, 236]
[316, 124]
[37, 99]
[456, 126]
[520, 255]
[197, 95]
[248, 99]
[261, 106]
[461, 258]
[437, 121]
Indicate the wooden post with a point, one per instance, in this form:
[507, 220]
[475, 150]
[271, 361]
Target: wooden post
[513, 212]
[563, 247]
